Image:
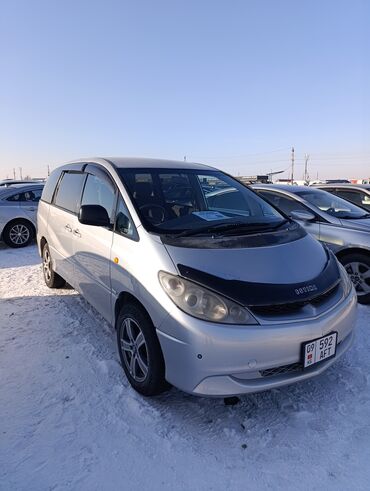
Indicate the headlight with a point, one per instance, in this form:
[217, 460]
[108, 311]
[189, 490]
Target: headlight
[345, 280]
[202, 303]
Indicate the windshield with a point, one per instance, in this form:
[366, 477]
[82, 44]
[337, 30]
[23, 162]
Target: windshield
[331, 204]
[173, 201]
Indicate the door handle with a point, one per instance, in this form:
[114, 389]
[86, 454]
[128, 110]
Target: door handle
[68, 228]
[76, 232]
[30, 208]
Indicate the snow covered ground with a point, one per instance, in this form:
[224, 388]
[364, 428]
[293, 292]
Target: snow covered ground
[69, 420]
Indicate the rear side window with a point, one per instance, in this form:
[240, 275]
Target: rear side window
[14, 197]
[47, 194]
[33, 195]
[69, 191]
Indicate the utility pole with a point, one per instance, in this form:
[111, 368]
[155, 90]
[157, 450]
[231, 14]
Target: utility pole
[48, 170]
[20, 173]
[305, 176]
[14, 174]
[292, 176]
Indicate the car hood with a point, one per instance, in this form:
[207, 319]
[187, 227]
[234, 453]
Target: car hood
[259, 275]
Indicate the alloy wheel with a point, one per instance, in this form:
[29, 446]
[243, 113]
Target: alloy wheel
[47, 264]
[134, 349]
[359, 274]
[19, 234]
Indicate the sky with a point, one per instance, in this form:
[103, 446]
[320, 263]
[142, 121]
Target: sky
[231, 83]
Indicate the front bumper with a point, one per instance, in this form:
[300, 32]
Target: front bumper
[208, 359]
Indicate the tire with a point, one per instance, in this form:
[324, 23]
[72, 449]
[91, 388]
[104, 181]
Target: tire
[18, 233]
[52, 279]
[357, 266]
[140, 352]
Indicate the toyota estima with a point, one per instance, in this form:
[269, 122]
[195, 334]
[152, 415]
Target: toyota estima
[210, 288]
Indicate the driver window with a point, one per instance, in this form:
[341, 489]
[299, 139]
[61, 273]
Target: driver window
[353, 196]
[99, 191]
[284, 203]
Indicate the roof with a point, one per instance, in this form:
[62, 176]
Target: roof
[343, 185]
[282, 187]
[13, 182]
[22, 185]
[148, 163]
[122, 162]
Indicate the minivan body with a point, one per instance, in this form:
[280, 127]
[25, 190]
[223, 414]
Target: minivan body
[341, 225]
[209, 287]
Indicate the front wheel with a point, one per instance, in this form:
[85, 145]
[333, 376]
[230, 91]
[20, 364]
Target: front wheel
[52, 279]
[140, 351]
[358, 269]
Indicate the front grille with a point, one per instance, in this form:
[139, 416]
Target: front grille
[286, 308]
[295, 306]
[293, 367]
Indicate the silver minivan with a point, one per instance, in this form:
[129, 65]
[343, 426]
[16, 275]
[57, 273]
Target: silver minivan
[212, 291]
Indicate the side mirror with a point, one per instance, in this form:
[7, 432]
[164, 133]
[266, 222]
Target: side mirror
[93, 215]
[304, 216]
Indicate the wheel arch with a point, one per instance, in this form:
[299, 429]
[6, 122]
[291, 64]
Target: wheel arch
[42, 244]
[21, 219]
[125, 298]
[351, 250]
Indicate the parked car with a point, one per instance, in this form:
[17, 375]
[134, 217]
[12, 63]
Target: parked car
[328, 181]
[359, 194]
[18, 212]
[218, 297]
[341, 225]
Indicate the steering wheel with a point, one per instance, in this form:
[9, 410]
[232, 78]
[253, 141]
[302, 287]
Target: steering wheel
[154, 213]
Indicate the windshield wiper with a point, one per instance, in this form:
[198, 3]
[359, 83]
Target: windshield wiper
[222, 228]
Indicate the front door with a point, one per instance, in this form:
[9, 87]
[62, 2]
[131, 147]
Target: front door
[92, 244]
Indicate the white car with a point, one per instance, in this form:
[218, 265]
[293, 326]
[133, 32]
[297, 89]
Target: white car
[18, 212]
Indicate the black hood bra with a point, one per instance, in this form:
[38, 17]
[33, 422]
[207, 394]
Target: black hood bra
[253, 294]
